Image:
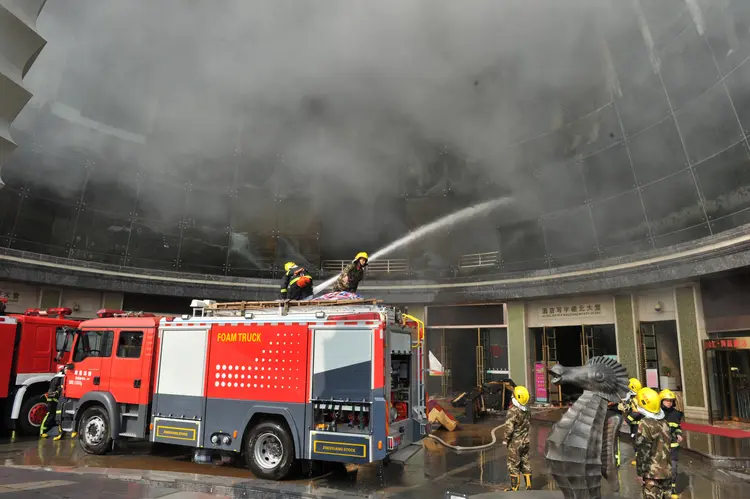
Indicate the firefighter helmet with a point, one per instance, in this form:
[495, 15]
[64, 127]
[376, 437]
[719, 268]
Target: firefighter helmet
[521, 394]
[634, 385]
[361, 254]
[667, 394]
[289, 265]
[648, 400]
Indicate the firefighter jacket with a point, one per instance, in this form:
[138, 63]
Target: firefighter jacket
[653, 456]
[290, 278]
[55, 387]
[350, 277]
[674, 420]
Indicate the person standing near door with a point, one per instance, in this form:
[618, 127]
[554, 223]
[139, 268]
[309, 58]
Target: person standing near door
[51, 397]
[674, 420]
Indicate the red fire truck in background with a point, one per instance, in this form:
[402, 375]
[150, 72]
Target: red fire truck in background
[32, 346]
[311, 380]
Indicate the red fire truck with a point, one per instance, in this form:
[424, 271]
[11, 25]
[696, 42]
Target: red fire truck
[28, 360]
[311, 380]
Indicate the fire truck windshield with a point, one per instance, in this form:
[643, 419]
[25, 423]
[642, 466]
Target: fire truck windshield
[93, 344]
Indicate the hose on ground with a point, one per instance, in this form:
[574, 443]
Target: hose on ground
[471, 448]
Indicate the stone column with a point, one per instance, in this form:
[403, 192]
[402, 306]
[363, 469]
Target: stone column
[625, 331]
[518, 352]
[691, 333]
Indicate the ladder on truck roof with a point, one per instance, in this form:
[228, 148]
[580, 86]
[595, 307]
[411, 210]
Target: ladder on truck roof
[204, 308]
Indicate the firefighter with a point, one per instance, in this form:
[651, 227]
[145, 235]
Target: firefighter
[352, 274]
[629, 408]
[52, 396]
[517, 425]
[3, 301]
[653, 461]
[297, 284]
[674, 420]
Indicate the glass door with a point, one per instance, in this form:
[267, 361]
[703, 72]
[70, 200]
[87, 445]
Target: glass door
[738, 366]
[494, 351]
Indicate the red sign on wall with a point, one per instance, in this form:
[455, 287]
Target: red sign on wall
[729, 343]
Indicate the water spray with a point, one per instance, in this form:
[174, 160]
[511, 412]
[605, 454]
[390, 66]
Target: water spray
[420, 232]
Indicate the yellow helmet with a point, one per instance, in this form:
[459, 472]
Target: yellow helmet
[361, 254]
[521, 394]
[667, 395]
[649, 400]
[289, 265]
[634, 385]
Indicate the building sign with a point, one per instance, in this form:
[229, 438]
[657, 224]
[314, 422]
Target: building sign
[579, 310]
[540, 381]
[729, 343]
[12, 296]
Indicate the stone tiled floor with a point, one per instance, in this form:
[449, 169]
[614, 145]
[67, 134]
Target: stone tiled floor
[155, 471]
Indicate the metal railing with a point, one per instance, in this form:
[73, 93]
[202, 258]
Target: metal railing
[478, 260]
[378, 266]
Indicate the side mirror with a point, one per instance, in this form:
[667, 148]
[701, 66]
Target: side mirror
[70, 367]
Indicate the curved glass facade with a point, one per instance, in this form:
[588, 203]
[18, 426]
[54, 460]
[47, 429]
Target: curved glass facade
[644, 146]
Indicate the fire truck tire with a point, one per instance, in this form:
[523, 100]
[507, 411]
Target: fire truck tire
[33, 410]
[95, 431]
[269, 451]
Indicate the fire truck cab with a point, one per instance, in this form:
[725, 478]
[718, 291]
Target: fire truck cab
[277, 383]
[34, 346]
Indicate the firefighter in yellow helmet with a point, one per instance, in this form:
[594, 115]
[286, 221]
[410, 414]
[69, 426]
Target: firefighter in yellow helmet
[674, 420]
[297, 283]
[352, 274]
[517, 426]
[653, 460]
[629, 408]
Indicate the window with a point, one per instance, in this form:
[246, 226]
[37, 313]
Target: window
[64, 339]
[50, 298]
[129, 344]
[93, 344]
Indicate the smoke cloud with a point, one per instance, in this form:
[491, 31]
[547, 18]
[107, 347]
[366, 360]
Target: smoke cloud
[345, 101]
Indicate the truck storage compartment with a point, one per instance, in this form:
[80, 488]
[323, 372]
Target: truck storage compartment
[342, 417]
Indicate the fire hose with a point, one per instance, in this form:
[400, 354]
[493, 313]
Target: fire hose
[471, 448]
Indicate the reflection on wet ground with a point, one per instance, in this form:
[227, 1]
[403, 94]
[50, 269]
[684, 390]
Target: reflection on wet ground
[431, 471]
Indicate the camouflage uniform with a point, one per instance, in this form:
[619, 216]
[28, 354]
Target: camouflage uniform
[354, 272]
[653, 459]
[517, 426]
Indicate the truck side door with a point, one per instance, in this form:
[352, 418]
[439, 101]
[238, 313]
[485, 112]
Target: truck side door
[125, 373]
[87, 375]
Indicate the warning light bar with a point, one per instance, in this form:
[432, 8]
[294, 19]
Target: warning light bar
[106, 312]
[50, 312]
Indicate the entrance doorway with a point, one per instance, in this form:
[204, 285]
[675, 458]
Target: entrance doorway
[569, 346]
[470, 356]
[730, 381]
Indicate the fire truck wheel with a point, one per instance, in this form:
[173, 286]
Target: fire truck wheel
[32, 414]
[269, 451]
[94, 431]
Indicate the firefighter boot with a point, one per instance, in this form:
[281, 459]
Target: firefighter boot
[59, 434]
[527, 478]
[674, 494]
[515, 483]
[74, 434]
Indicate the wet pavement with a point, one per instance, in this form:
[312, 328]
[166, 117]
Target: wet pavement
[429, 473]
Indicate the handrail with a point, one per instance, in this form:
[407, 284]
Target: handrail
[488, 259]
[379, 266]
